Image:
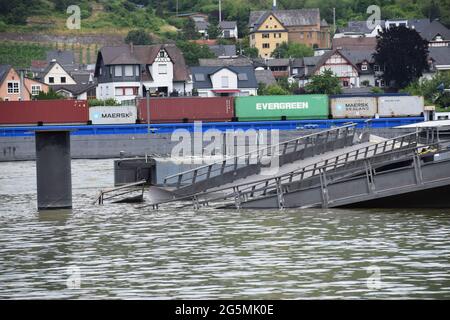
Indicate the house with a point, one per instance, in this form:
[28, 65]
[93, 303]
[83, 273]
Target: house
[357, 29]
[351, 43]
[225, 81]
[265, 77]
[268, 29]
[434, 32]
[14, 87]
[77, 91]
[280, 67]
[228, 29]
[224, 51]
[65, 58]
[56, 74]
[128, 71]
[231, 62]
[353, 68]
[202, 28]
[440, 58]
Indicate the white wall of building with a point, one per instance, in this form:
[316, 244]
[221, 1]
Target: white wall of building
[57, 72]
[108, 90]
[218, 79]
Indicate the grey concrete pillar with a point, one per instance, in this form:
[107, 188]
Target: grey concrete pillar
[53, 170]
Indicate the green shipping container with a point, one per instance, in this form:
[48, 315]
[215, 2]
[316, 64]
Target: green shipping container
[311, 106]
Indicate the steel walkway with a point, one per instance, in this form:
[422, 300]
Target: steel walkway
[252, 165]
[319, 174]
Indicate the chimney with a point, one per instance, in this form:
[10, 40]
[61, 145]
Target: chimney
[131, 47]
[274, 7]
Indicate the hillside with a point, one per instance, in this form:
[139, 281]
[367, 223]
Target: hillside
[159, 17]
[42, 23]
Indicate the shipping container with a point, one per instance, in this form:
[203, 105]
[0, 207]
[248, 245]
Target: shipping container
[395, 106]
[187, 109]
[44, 112]
[113, 115]
[353, 107]
[296, 107]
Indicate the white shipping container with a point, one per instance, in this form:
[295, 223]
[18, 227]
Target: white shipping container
[113, 115]
[400, 106]
[353, 107]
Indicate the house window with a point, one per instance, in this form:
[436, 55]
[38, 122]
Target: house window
[63, 79]
[119, 91]
[51, 80]
[364, 67]
[129, 91]
[118, 71]
[265, 35]
[162, 54]
[128, 71]
[162, 68]
[266, 45]
[253, 36]
[137, 71]
[6, 99]
[277, 45]
[225, 82]
[13, 87]
[35, 89]
[376, 68]
[345, 83]
[302, 36]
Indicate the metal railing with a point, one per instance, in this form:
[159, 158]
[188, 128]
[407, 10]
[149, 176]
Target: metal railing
[232, 163]
[123, 190]
[280, 184]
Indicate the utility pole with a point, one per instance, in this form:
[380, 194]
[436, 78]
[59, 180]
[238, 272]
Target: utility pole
[147, 95]
[334, 21]
[220, 11]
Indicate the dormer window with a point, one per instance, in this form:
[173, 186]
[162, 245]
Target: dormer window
[162, 54]
[364, 67]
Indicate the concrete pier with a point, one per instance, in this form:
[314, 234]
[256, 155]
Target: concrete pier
[53, 170]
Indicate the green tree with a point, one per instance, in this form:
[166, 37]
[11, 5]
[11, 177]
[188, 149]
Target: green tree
[403, 53]
[428, 88]
[193, 51]
[243, 48]
[189, 30]
[213, 31]
[138, 37]
[324, 83]
[292, 50]
[275, 90]
[262, 89]
[50, 95]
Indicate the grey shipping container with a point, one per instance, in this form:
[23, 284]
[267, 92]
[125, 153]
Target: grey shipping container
[400, 106]
[353, 107]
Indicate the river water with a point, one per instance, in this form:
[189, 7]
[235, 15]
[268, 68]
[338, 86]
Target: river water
[120, 251]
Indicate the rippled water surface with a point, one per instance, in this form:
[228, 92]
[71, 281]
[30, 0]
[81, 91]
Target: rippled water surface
[119, 251]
